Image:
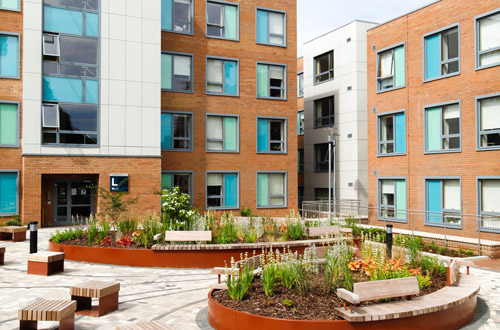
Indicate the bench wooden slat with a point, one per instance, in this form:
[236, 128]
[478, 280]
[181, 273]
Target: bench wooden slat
[95, 289]
[323, 231]
[13, 229]
[46, 256]
[188, 236]
[400, 287]
[47, 310]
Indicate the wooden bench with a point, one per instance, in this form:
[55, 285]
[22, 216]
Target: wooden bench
[13, 233]
[188, 236]
[364, 291]
[48, 310]
[328, 231]
[219, 271]
[153, 325]
[454, 269]
[106, 292]
[45, 263]
[2, 254]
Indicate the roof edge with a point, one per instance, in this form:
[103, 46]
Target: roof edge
[340, 27]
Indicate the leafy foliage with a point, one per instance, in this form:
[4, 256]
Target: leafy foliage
[177, 211]
[113, 204]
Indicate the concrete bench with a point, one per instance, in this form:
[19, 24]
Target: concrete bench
[106, 292]
[48, 310]
[365, 291]
[13, 233]
[45, 263]
[153, 325]
[188, 236]
[254, 262]
[328, 231]
[2, 254]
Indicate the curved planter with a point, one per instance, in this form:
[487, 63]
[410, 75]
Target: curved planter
[224, 318]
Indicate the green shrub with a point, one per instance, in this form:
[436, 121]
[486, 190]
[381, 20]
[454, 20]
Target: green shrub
[56, 237]
[16, 221]
[225, 231]
[295, 227]
[177, 211]
[251, 236]
[432, 265]
[302, 282]
[112, 203]
[79, 233]
[237, 286]
[150, 226]
[423, 281]
[247, 213]
[469, 253]
[92, 230]
[269, 273]
[128, 226]
[414, 247]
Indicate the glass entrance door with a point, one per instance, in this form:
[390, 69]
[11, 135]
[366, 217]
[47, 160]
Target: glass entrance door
[73, 199]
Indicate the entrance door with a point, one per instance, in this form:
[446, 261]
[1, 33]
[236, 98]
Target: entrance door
[72, 199]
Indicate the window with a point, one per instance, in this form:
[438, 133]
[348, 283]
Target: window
[271, 27]
[9, 56]
[82, 21]
[392, 199]
[442, 54]
[488, 112]
[489, 208]
[10, 5]
[222, 190]
[443, 202]
[222, 20]
[182, 180]
[176, 72]
[322, 193]
[321, 158]
[301, 160]
[177, 16]
[69, 124]
[300, 193]
[74, 90]
[271, 190]
[323, 67]
[488, 40]
[271, 135]
[324, 112]
[222, 76]
[9, 125]
[392, 134]
[442, 124]
[300, 122]
[77, 4]
[391, 68]
[222, 133]
[8, 193]
[271, 81]
[176, 131]
[300, 85]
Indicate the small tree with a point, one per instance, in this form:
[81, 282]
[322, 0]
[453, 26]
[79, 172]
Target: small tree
[112, 203]
[177, 209]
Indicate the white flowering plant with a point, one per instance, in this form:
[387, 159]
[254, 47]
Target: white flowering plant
[177, 211]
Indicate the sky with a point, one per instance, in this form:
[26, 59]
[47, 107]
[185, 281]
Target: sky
[317, 17]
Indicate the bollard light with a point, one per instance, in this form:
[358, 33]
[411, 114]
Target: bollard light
[33, 226]
[388, 241]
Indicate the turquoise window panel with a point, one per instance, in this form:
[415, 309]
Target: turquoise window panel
[400, 128]
[230, 133]
[230, 190]
[166, 15]
[166, 71]
[91, 91]
[231, 78]
[262, 135]
[262, 26]
[298, 123]
[91, 24]
[166, 131]
[8, 124]
[8, 192]
[262, 189]
[230, 22]
[434, 201]
[262, 80]
[9, 60]
[166, 181]
[9, 4]
[433, 129]
[433, 57]
[400, 199]
[61, 89]
[63, 20]
[399, 66]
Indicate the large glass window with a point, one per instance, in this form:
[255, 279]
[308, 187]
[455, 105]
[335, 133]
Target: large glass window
[489, 122]
[177, 16]
[222, 133]
[489, 207]
[271, 190]
[301, 160]
[392, 134]
[300, 122]
[8, 193]
[488, 40]
[324, 112]
[321, 158]
[271, 27]
[271, 81]
[10, 5]
[271, 135]
[69, 124]
[222, 76]
[442, 128]
[391, 68]
[323, 67]
[63, 20]
[222, 190]
[443, 201]
[392, 199]
[442, 54]
[9, 56]
[222, 20]
[176, 72]
[182, 180]
[176, 131]
[9, 126]
[300, 84]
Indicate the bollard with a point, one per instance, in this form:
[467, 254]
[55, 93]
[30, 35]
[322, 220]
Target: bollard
[388, 241]
[33, 226]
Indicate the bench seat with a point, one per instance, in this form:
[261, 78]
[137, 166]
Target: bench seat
[219, 271]
[328, 231]
[188, 236]
[45, 263]
[106, 292]
[14, 233]
[153, 325]
[62, 311]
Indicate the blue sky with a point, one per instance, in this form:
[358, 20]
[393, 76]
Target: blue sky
[316, 17]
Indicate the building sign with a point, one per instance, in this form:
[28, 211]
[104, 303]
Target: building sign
[118, 182]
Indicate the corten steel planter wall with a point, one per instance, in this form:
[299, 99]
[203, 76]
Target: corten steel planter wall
[224, 318]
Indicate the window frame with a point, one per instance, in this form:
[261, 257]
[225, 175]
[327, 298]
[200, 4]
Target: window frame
[477, 40]
[479, 200]
[479, 133]
[191, 127]
[191, 185]
[16, 145]
[332, 124]
[191, 91]
[441, 62]
[224, 3]
[285, 190]
[7, 214]
[285, 78]
[316, 163]
[268, 33]
[269, 141]
[223, 59]
[442, 214]
[237, 207]
[192, 21]
[301, 167]
[379, 199]
[15, 10]
[426, 142]
[301, 73]
[379, 143]
[299, 113]
[223, 115]
[379, 52]
[18, 36]
[316, 74]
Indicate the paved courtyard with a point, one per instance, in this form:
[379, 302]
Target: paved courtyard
[177, 297]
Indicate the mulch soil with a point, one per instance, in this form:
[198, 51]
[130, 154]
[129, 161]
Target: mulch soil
[113, 235]
[317, 305]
